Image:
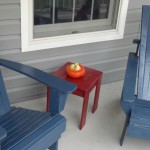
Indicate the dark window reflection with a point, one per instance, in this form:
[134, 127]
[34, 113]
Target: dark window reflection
[83, 10]
[64, 11]
[43, 11]
[89, 10]
[61, 11]
[101, 9]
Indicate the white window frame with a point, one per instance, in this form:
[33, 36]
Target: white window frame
[31, 44]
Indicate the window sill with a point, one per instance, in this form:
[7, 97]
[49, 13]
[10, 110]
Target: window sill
[70, 40]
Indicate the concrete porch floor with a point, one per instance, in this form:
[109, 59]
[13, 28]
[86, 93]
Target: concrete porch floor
[102, 130]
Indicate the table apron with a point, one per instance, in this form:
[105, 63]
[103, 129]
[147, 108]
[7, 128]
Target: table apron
[81, 92]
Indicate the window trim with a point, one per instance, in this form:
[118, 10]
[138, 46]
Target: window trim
[31, 44]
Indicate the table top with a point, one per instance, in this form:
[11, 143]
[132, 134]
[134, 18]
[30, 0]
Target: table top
[83, 83]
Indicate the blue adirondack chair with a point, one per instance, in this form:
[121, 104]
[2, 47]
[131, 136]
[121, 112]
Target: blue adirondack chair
[25, 129]
[136, 101]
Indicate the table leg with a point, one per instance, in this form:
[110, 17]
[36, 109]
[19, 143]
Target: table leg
[84, 110]
[96, 97]
[48, 99]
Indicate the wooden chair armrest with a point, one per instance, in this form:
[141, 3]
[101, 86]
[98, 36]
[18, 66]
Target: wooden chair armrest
[59, 88]
[39, 75]
[128, 92]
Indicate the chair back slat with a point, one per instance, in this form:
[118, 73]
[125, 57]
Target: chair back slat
[4, 102]
[144, 56]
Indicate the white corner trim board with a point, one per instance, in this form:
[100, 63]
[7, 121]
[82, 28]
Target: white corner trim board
[31, 44]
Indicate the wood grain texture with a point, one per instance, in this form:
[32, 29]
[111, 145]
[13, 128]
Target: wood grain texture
[144, 61]
[28, 129]
[136, 102]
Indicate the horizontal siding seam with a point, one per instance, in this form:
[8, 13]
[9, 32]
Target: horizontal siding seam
[105, 61]
[36, 85]
[79, 54]
[114, 70]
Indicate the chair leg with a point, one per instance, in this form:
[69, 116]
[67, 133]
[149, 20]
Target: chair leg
[54, 146]
[124, 131]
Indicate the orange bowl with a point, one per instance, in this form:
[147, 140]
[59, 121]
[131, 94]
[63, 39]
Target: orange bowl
[75, 73]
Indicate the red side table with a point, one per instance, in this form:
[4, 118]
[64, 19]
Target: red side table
[85, 85]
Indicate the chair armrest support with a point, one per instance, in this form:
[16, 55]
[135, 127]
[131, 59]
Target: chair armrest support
[137, 41]
[59, 88]
[128, 92]
[3, 133]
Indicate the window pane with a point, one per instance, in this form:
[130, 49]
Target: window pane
[91, 9]
[64, 10]
[43, 12]
[83, 10]
[100, 9]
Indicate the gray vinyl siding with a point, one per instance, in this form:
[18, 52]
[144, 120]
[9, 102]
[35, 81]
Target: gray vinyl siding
[109, 57]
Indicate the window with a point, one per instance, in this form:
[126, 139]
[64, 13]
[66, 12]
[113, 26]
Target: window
[57, 23]
[63, 17]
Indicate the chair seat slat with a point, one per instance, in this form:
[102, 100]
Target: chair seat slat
[10, 121]
[9, 114]
[21, 122]
[25, 128]
[54, 128]
[143, 123]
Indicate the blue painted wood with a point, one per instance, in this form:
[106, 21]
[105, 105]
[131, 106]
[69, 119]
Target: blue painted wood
[60, 88]
[43, 77]
[24, 129]
[57, 106]
[124, 130]
[54, 146]
[3, 133]
[25, 133]
[4, 102]
[139, 125]
[137, 41]
[128, 95]
[137, 107]
[144, 59]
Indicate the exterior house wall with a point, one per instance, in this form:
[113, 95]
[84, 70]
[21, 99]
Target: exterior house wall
[109, 56]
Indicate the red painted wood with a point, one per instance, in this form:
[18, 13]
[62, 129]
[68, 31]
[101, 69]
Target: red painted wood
[85, 85]
[97, 91]
[84, 110]
[48, 99]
